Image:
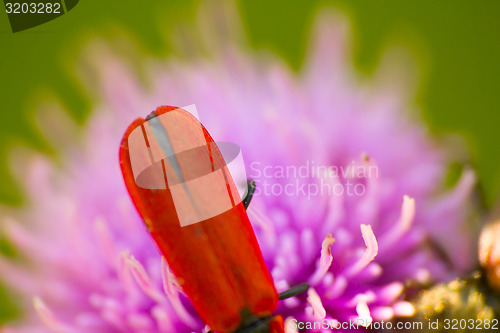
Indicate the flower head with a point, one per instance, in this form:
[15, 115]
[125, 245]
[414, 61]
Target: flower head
[94, 268]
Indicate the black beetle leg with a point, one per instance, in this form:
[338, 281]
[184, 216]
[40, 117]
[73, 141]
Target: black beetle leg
[294, 291]
[250, 192]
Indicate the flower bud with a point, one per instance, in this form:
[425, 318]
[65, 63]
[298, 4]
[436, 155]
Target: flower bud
[489, 253]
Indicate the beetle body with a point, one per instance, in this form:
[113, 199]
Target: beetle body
[199, 223]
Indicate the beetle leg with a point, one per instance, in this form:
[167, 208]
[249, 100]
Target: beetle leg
[250, 192]
[294, 291]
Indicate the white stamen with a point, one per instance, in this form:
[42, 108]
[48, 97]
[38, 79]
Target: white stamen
[325, 260]
[290, 327]
[143, 280]
[105, 240]
[391, 291]
[370, 252]
[403, 309]
[162, 319]
[317, 306]
[384, 313]
[124, 273]
[172, 288]
[404, 223]
[364, 317]
[48, 317]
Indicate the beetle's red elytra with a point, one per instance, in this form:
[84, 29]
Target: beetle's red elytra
[206, 238]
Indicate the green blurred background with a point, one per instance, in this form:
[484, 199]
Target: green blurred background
[455, 42]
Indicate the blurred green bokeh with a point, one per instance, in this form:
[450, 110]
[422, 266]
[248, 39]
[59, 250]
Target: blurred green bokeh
[455, 43]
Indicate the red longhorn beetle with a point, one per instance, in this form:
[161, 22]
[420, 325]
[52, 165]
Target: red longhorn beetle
[181, 186]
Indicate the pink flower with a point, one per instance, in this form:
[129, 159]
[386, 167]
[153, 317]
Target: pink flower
[93, 268]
